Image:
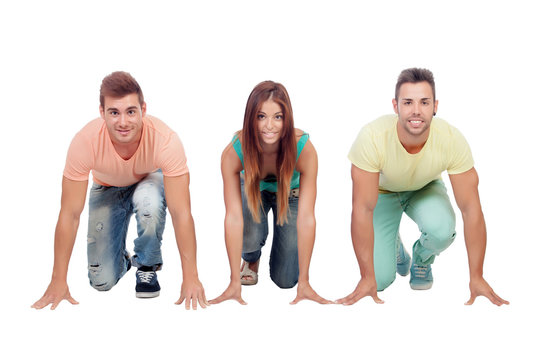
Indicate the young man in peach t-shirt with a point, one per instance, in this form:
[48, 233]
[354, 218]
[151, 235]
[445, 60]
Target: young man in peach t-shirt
[139, 167]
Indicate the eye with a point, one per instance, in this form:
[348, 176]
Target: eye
[279, 117]
[261, 116]
[113, 113]
[407, 102]
[131, 112]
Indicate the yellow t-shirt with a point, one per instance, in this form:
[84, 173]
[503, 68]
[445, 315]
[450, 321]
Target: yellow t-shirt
[377, 149]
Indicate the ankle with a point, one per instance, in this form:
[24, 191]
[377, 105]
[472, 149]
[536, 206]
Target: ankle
[146, 268]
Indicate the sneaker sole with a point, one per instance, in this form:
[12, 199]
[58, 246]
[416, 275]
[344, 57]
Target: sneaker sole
[147, 295]
[403, 272]
[425, 286]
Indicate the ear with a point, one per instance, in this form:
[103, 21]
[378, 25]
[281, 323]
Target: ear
[101, 112]
[395, 104]
[143, 109]
[435, 106]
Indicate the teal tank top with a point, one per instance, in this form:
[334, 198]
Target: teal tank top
[270, 182]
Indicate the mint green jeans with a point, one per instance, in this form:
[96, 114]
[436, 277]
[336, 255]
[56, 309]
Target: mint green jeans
[430, 209]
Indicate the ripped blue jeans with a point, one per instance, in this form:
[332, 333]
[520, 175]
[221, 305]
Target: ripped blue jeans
[110, 209]
[284, 254]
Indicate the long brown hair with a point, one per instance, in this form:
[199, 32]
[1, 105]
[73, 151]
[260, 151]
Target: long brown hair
[252, 150]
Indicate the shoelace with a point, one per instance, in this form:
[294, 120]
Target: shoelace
[145, 276]
[420, 271]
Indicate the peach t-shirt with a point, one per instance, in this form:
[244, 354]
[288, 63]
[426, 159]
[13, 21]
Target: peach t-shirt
[92, 149]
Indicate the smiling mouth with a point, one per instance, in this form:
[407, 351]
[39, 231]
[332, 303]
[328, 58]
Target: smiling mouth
[415, 122]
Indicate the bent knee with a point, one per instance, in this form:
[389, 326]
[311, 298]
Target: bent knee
[439, 238]
[102, 286]
[100, 279]
[283, 281]
[385, 280]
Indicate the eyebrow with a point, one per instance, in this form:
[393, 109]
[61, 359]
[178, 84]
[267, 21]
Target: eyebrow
[115, 109]
[407, 99]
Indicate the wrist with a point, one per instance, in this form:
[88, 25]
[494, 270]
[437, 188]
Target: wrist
[235, 280]
[59, 278]
[190, 277]
[303, 277]
[367, 275]
[368, 279]
[476, 277]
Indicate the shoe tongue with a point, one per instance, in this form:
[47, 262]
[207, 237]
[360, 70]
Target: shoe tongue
[145, 268]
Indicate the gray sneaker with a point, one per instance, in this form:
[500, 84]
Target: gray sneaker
[421, 277]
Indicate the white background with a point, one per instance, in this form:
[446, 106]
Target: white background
[197, 63]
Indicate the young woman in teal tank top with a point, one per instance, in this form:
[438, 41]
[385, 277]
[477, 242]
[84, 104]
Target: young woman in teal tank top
[270, 165]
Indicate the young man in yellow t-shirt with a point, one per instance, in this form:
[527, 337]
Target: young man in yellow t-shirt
[139, 167]
[397, 161]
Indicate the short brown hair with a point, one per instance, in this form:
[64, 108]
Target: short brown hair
[415, 75]
[119, 84]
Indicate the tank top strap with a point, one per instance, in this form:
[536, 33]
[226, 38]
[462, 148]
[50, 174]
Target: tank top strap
[300, 145]
[237, 146]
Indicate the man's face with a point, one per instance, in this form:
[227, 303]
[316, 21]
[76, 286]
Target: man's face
[123, 117]
[415, 107]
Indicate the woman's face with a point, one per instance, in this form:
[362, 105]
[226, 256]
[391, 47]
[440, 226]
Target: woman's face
[270, 122]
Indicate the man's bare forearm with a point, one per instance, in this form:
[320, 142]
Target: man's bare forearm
[64, 239]
[184, 228]
[475, 240]
[362, 237]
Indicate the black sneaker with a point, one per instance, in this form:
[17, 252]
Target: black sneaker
[147, 284]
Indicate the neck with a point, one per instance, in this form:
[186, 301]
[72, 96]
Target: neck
[413, 144]
[126, 151]
[270, 149]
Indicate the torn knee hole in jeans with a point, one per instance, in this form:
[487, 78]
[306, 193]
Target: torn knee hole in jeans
[145, 211]
[94, 268]
[146, 201]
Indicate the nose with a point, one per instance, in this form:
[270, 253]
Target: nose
[416, 108]
[122, 120]
[269, 123]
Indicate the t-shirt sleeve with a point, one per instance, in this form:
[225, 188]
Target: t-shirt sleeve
[172, 157]
[462, 159]
[79, 159]
[363, 153]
